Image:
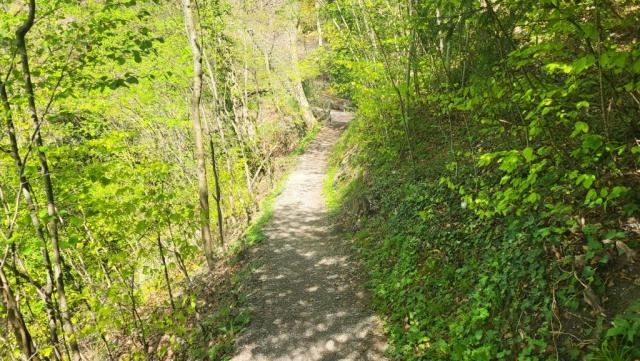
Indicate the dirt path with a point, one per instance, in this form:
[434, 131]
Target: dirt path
[308, 301]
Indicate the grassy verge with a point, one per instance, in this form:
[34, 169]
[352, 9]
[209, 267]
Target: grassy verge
[330, 192]
[254, 234]
[304, 142]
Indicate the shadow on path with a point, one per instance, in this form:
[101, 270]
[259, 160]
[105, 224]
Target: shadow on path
[308, 301]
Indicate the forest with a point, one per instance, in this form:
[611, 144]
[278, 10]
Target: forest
[162, 164]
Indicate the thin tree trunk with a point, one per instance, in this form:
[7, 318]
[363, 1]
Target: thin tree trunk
[137, 319]
[367, 27]
[242, 143]
[176, 253]
[394, 83]
[319, 23]
[48, 186]
[218, 195]
[16, 320]
[81, 269]
[166, 272]
[47, 291]
[217, 115]
[247, 121]
[203, 187]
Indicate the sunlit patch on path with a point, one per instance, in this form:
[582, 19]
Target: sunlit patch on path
[308, 301]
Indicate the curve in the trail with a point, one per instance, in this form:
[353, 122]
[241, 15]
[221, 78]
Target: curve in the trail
[308, 301]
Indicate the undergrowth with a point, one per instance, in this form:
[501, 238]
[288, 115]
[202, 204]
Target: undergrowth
[454, 286]
[304, 142]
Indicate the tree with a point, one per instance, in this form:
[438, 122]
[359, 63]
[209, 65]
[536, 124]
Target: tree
[201, 170]
[21, 46]
[298, 89]
[525, 114]
[15, 318]
[97, 131]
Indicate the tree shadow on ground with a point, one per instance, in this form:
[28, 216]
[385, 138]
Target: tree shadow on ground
[308, 300]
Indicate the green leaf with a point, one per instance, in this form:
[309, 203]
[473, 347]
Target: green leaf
[485, 159]
[527, 153]
[592, 142]
[46, 351]
[532, 198]
[588, 180]
[620, 327]
[583, 63]
[509, 163]
[553, 67]
[580, 127]
[582, 105]
[617, 191]
[591, 195]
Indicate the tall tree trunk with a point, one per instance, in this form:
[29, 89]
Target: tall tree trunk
[219, 111]
[217, 196]
[298, 90]
[47, 291]
[319, 23]
[247, 121]
[242, 144]
[203, 187]
[48, 186]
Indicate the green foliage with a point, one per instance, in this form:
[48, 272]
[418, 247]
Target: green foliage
[214, 336]
[111, 81]
[622, 339]
[487, 177]
[311, 135]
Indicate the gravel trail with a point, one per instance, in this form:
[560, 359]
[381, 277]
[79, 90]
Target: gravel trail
[308, 301]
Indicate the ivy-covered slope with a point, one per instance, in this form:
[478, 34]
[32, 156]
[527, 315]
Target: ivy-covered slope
[457, 286]
[491, 175]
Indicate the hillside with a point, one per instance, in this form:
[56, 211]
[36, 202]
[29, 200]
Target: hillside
[319, 180]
